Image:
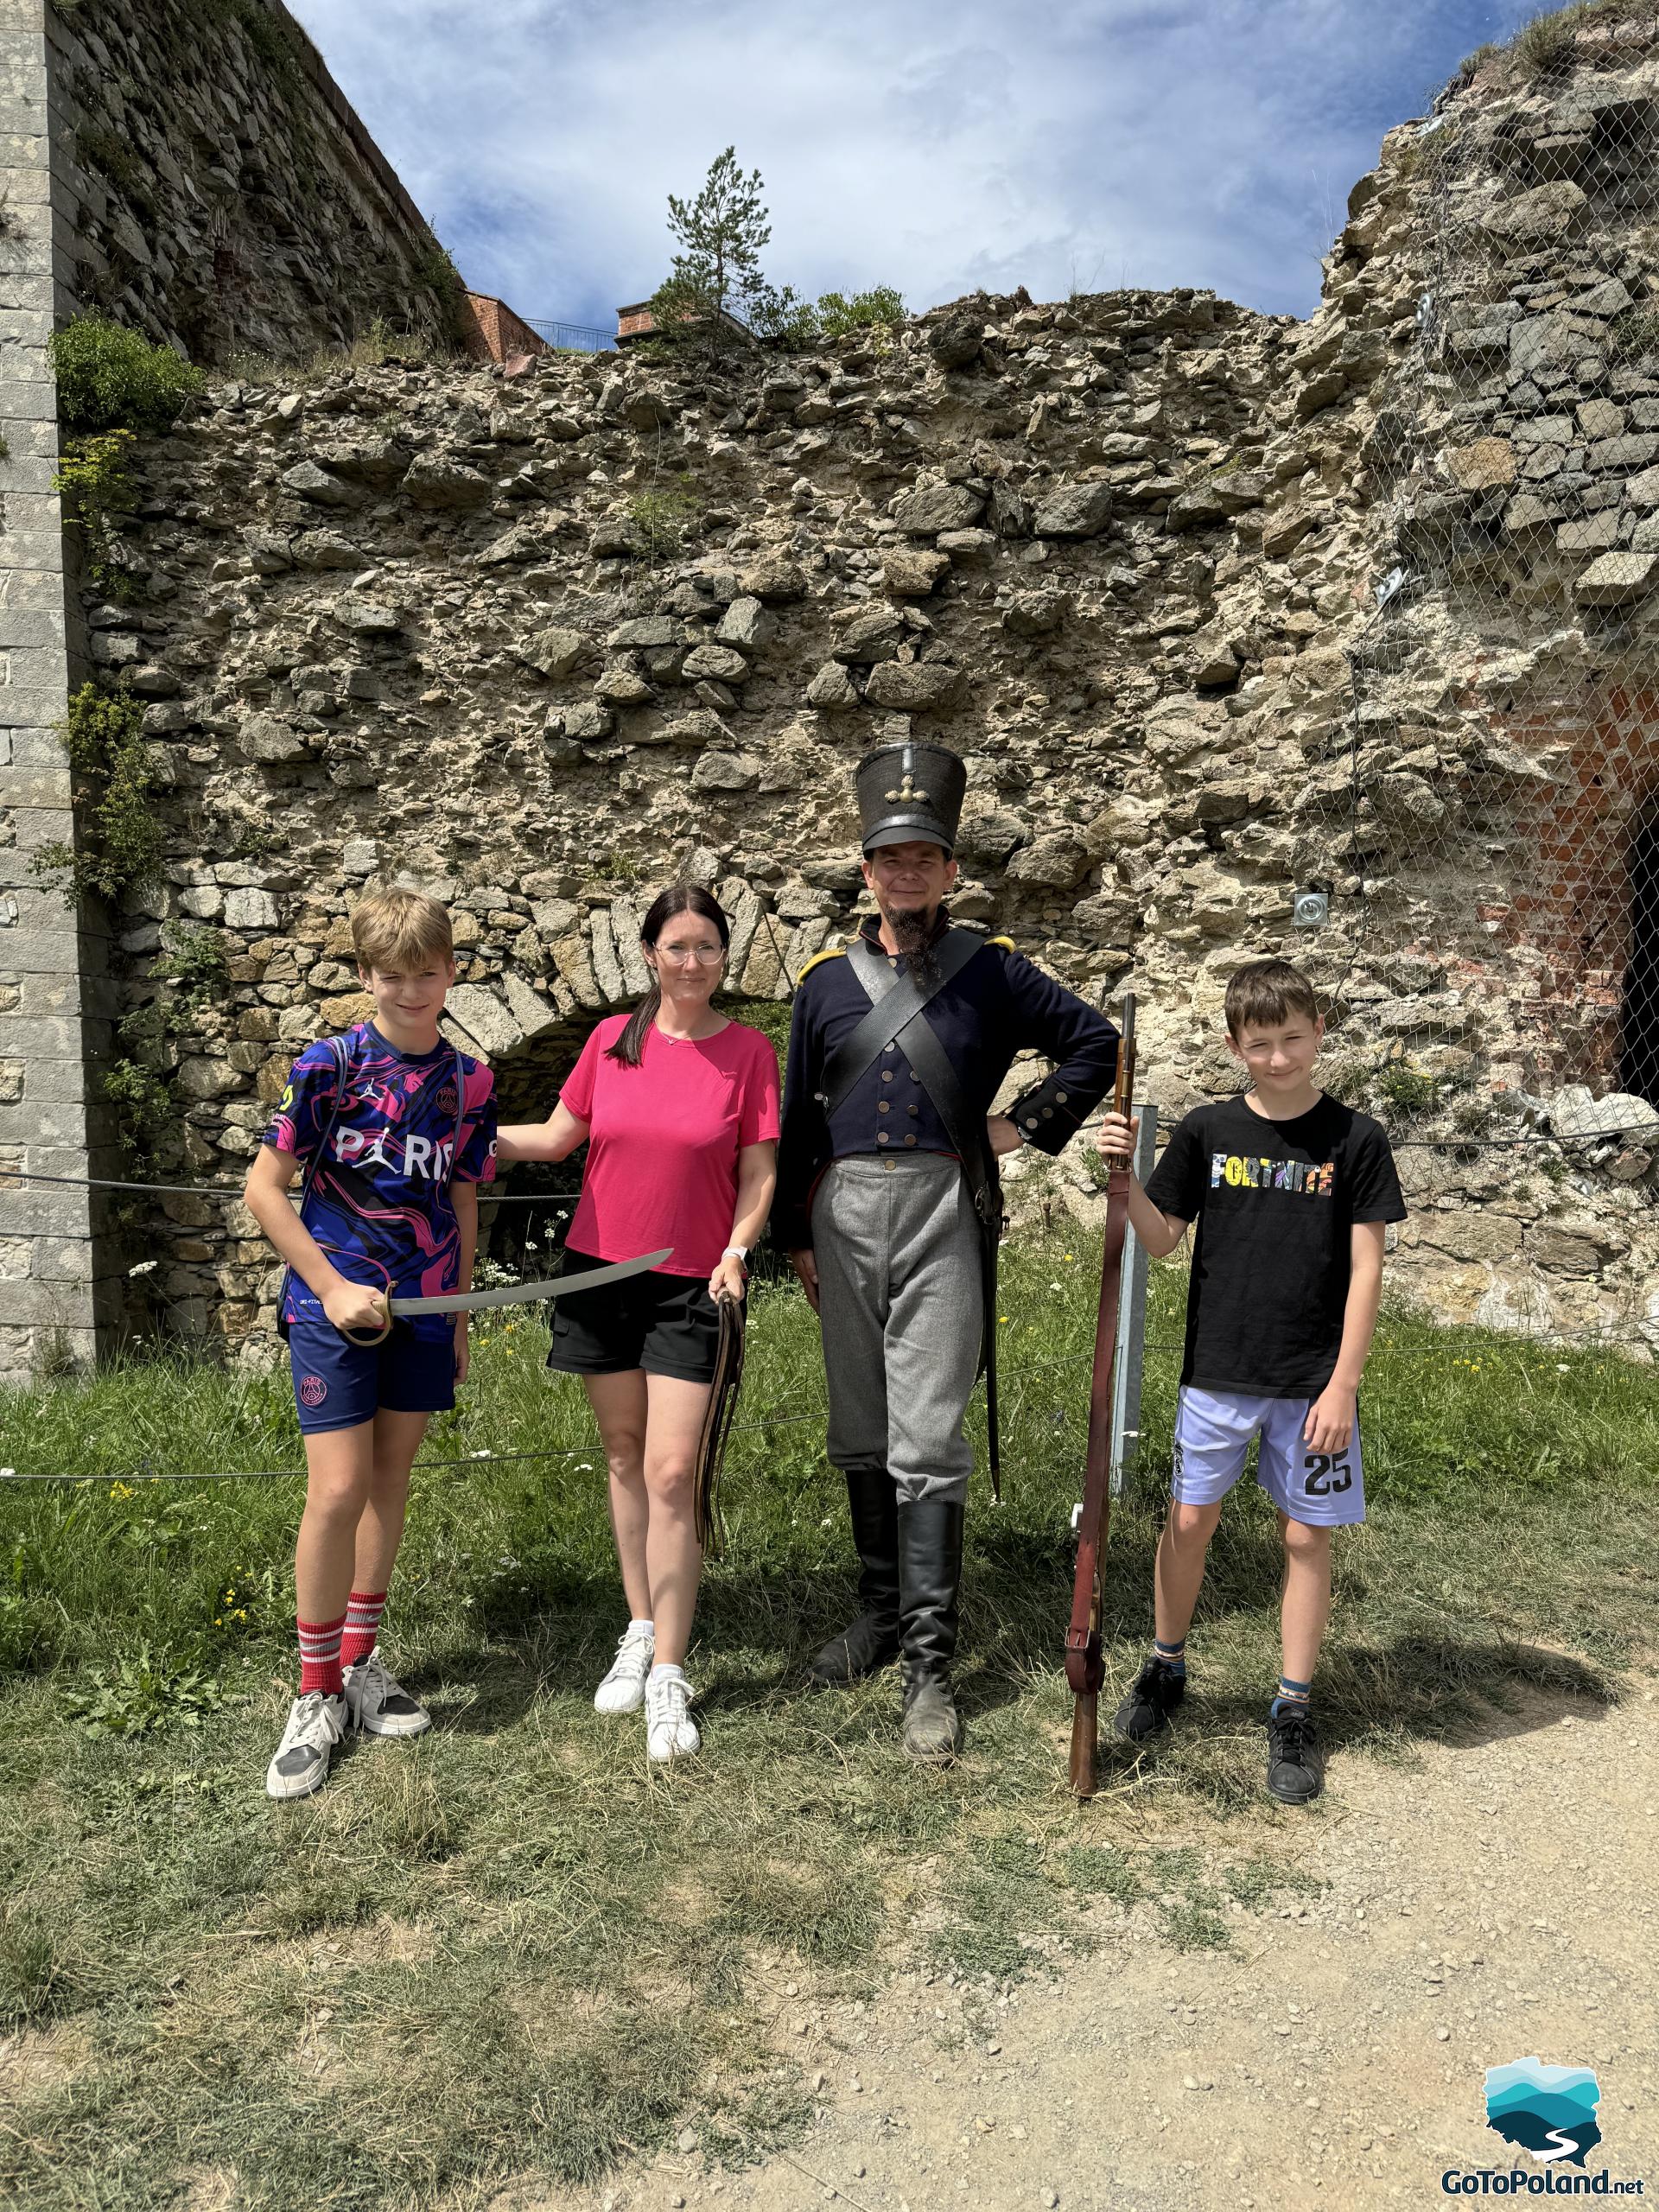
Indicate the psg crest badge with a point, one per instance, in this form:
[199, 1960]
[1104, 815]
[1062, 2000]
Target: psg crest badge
[447, 1102]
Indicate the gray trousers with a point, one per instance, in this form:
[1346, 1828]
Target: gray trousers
[901, 1302]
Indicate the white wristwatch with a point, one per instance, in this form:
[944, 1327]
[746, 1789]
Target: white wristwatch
[736, 1252]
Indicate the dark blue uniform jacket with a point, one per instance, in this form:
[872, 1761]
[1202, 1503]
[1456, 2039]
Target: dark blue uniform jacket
[999, 1005]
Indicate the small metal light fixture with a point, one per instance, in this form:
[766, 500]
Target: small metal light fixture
[1311, 910]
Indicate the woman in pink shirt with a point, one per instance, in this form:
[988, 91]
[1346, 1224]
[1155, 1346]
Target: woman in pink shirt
[678, 1108]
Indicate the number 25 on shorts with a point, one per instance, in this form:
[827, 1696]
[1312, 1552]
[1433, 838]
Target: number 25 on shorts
[1327, 1471]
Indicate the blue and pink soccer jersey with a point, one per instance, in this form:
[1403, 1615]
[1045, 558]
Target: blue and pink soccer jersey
[397, 1133]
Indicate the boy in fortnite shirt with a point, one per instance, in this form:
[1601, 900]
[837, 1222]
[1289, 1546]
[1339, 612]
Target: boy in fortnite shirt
[1291, 1193]
[394, 1129]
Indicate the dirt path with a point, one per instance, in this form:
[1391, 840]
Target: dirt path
[1486, 1902]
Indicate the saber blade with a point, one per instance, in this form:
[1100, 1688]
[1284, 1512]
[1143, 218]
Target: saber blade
[531, 1294]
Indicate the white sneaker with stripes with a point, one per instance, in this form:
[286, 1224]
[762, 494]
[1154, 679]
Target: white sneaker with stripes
[315, 1724]
[623, 1689]
[670, 1732]
[379, 1705]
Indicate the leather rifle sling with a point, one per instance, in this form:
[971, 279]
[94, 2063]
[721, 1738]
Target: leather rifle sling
[1085, 1666]
[920, 1044]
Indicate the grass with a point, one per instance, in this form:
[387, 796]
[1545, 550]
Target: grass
[511, 1951]
[371, 349]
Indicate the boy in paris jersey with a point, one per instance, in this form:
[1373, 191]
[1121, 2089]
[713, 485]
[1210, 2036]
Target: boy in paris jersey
[392, 1128]
[1291, 1191]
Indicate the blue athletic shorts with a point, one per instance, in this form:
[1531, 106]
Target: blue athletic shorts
[338, 1384]
[1213, 1430]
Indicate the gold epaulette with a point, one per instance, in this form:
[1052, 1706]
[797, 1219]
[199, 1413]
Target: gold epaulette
[829, 952]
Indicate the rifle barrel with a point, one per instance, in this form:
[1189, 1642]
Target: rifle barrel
[1085, 1712]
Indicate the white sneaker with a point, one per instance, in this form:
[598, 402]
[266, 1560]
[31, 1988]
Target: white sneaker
[379, 1705]
[315, 1724]
[623, 1689]
[670, 1731]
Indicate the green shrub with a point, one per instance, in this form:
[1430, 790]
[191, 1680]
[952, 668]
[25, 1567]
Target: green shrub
[112, 156]
[113, 378]
[1546, 44]
[196, 961]
[143, 1694]
[191, 974]
[434, 271]
[94, 479]
[121, 837]
[780, 318]
[1472, 64]
[371, 349]
[144, 1107]
[876, 308]
[1405, 1090]
[267, 32]
[665, 514]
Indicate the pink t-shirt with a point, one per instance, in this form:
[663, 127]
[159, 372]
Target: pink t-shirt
[663, 1139]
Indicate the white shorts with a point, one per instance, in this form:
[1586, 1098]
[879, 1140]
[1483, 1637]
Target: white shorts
[1213, 1430]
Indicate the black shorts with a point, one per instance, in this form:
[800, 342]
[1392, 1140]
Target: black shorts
[665, 1324]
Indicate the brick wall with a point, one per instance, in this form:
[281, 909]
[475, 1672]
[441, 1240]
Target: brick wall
[492, 332]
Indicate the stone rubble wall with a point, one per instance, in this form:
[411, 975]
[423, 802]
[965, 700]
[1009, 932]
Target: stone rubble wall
[222, 195]
[540, 643]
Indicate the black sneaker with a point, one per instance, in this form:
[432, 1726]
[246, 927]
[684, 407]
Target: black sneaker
[1295, 1763]
[1156, 1692]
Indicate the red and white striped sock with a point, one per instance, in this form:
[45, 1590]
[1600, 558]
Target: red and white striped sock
[362, 1626]
[320, 1668]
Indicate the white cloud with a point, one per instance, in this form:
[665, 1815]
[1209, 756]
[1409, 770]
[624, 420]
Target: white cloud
[935, 144]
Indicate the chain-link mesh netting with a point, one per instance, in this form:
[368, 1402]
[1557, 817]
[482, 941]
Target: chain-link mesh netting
[1476, 836]
[1505, 738]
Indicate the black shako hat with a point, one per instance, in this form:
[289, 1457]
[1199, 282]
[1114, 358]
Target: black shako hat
[910, 792]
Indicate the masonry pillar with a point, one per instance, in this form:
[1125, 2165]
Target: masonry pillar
[53, 1026]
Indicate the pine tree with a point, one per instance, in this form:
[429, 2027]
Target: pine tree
[717, 275]
[717, 270]
[720, 233]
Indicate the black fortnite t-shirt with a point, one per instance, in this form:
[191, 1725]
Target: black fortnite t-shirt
[1275, 1203]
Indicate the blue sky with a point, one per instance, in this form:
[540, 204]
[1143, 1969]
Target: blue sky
[933, 144]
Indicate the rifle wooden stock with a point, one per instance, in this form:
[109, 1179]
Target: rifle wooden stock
[1084, 1668]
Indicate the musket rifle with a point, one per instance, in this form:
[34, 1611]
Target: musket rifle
[1084, 1668]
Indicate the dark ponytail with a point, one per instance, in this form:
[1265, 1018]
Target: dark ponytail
[678, 898]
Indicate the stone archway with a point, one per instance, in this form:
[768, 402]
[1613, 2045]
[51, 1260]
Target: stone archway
[531, 1037]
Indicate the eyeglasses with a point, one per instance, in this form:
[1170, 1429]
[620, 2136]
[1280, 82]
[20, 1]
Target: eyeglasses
[707, 954]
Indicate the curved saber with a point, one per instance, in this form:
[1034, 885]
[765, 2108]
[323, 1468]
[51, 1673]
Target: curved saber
[530, 1293]
[512, 1293]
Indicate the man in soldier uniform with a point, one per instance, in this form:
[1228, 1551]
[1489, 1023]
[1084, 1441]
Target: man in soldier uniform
[889, 1206]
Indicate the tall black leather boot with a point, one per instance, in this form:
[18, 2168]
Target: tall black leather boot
[872, 1642]
[929, 1584]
